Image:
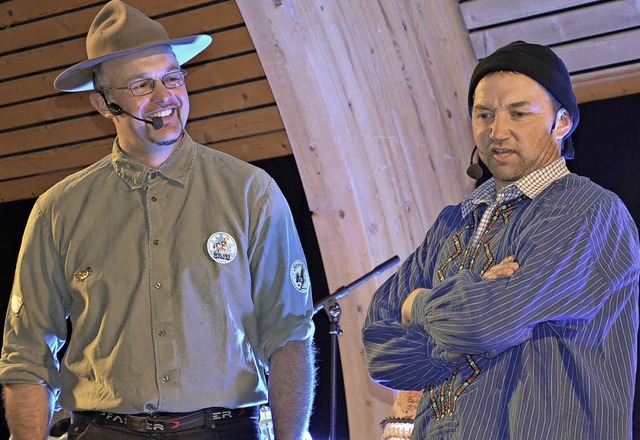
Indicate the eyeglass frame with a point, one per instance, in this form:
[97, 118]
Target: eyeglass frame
[181, 71]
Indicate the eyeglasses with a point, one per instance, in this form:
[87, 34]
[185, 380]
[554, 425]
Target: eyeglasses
[145, 86]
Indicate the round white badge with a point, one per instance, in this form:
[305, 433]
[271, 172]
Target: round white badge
[16, 304]
[299, 276]
[222, 247]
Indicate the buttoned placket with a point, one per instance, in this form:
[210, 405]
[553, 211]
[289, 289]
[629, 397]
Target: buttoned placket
[159, 217]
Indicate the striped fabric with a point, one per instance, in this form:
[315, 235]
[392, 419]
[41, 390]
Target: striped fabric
[530, 185]
[548, 353]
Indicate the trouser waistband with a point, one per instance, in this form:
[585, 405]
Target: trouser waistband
[168, 422]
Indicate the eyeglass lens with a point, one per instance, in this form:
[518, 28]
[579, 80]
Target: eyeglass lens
[170, 80]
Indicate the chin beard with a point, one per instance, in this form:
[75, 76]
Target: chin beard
[156, 141]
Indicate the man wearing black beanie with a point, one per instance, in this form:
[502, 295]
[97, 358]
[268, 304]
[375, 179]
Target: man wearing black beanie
[518, 314]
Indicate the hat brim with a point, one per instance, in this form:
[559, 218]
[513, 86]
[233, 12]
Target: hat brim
[79, 77]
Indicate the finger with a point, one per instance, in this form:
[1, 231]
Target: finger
[502, 270]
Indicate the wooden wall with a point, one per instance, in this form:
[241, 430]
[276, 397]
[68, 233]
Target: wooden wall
[46, 135]
[598, 40]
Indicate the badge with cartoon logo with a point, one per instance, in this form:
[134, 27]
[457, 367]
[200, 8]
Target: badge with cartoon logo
[222, 247]
[299, 276]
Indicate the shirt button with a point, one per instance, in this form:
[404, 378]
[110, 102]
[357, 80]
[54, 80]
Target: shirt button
[156, 242]
[166, 378]
[154, 199]
[161, 333]
[157, 285]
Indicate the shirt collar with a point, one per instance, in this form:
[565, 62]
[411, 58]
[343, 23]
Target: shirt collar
[176, 168]
[530, 185]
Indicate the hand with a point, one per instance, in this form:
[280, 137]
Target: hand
[505, 268]
[408, 304]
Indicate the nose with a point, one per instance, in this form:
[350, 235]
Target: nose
[160, 91]
[500, 127]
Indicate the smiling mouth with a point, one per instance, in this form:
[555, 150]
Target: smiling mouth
[161, 113]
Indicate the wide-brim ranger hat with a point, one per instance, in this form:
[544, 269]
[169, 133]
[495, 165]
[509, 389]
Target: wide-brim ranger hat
[119, 30]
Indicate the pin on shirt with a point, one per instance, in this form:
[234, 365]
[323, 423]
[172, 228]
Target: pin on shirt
[222, 247]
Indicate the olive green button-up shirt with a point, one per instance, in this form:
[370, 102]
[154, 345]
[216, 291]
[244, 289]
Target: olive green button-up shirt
[180, 283]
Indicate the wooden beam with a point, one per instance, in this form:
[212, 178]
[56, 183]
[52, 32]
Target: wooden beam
[373, 97]
[30, 187]
[203, 103]
[550, 30]
[481, 13]
[204, 74]
[13, 13]
[607, 83]
[95, 126]
[64, 54]
[249, 148]
[76, 24]
[601, 52]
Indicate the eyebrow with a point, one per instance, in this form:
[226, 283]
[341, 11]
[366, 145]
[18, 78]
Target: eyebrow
[147, 76]
[511, 106]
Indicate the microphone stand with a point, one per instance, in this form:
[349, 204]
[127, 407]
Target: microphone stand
[332, 308]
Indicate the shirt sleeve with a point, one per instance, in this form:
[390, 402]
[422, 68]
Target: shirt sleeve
[35, 326]
[571, 264]
[281, 287]
[404, 357]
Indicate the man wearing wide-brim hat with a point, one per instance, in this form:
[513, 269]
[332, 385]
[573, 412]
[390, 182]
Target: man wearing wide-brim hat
[173, 263]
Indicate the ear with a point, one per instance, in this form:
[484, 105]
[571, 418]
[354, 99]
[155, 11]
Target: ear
[97, 101]
[564, 122]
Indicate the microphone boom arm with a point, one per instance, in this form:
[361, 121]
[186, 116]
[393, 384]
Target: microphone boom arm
[344, 290]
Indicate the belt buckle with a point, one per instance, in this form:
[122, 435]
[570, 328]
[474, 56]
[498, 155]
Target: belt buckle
[137, 424]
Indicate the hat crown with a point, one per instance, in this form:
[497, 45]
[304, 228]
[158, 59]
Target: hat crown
[120, 30]
[119, 27]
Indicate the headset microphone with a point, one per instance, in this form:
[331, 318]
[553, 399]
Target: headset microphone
[116, 110]
[474, 170]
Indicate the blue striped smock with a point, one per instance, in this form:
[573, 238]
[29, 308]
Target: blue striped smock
[548, 353]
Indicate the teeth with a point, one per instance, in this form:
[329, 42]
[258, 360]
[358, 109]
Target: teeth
[161, 114]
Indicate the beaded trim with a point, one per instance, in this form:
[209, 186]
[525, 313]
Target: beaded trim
[448, 399]
[503, 211]
[449, 403]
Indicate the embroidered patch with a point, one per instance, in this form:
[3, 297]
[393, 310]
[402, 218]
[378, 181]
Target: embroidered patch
[299, 276]
[83, 274]
[222, 247]
[16, 304]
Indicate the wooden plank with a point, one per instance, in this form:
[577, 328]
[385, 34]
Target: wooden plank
[61, 55]
[607, 83]
[601, 52]
[237, 125]
[31, 187]
[92, 127]
[76, 24]
[209, 74]
[54, 160]
[559, 28]
[251, 148]
[237, 97]
[15, 12]
[481, 13]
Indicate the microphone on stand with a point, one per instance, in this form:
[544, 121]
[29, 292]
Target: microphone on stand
[474, 170]
[116, 110]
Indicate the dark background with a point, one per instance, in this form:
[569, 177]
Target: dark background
[607, 144]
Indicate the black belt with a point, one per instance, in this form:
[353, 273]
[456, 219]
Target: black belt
[168, 422]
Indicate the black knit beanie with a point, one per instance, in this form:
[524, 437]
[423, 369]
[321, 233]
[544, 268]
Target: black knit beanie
[540, 64]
